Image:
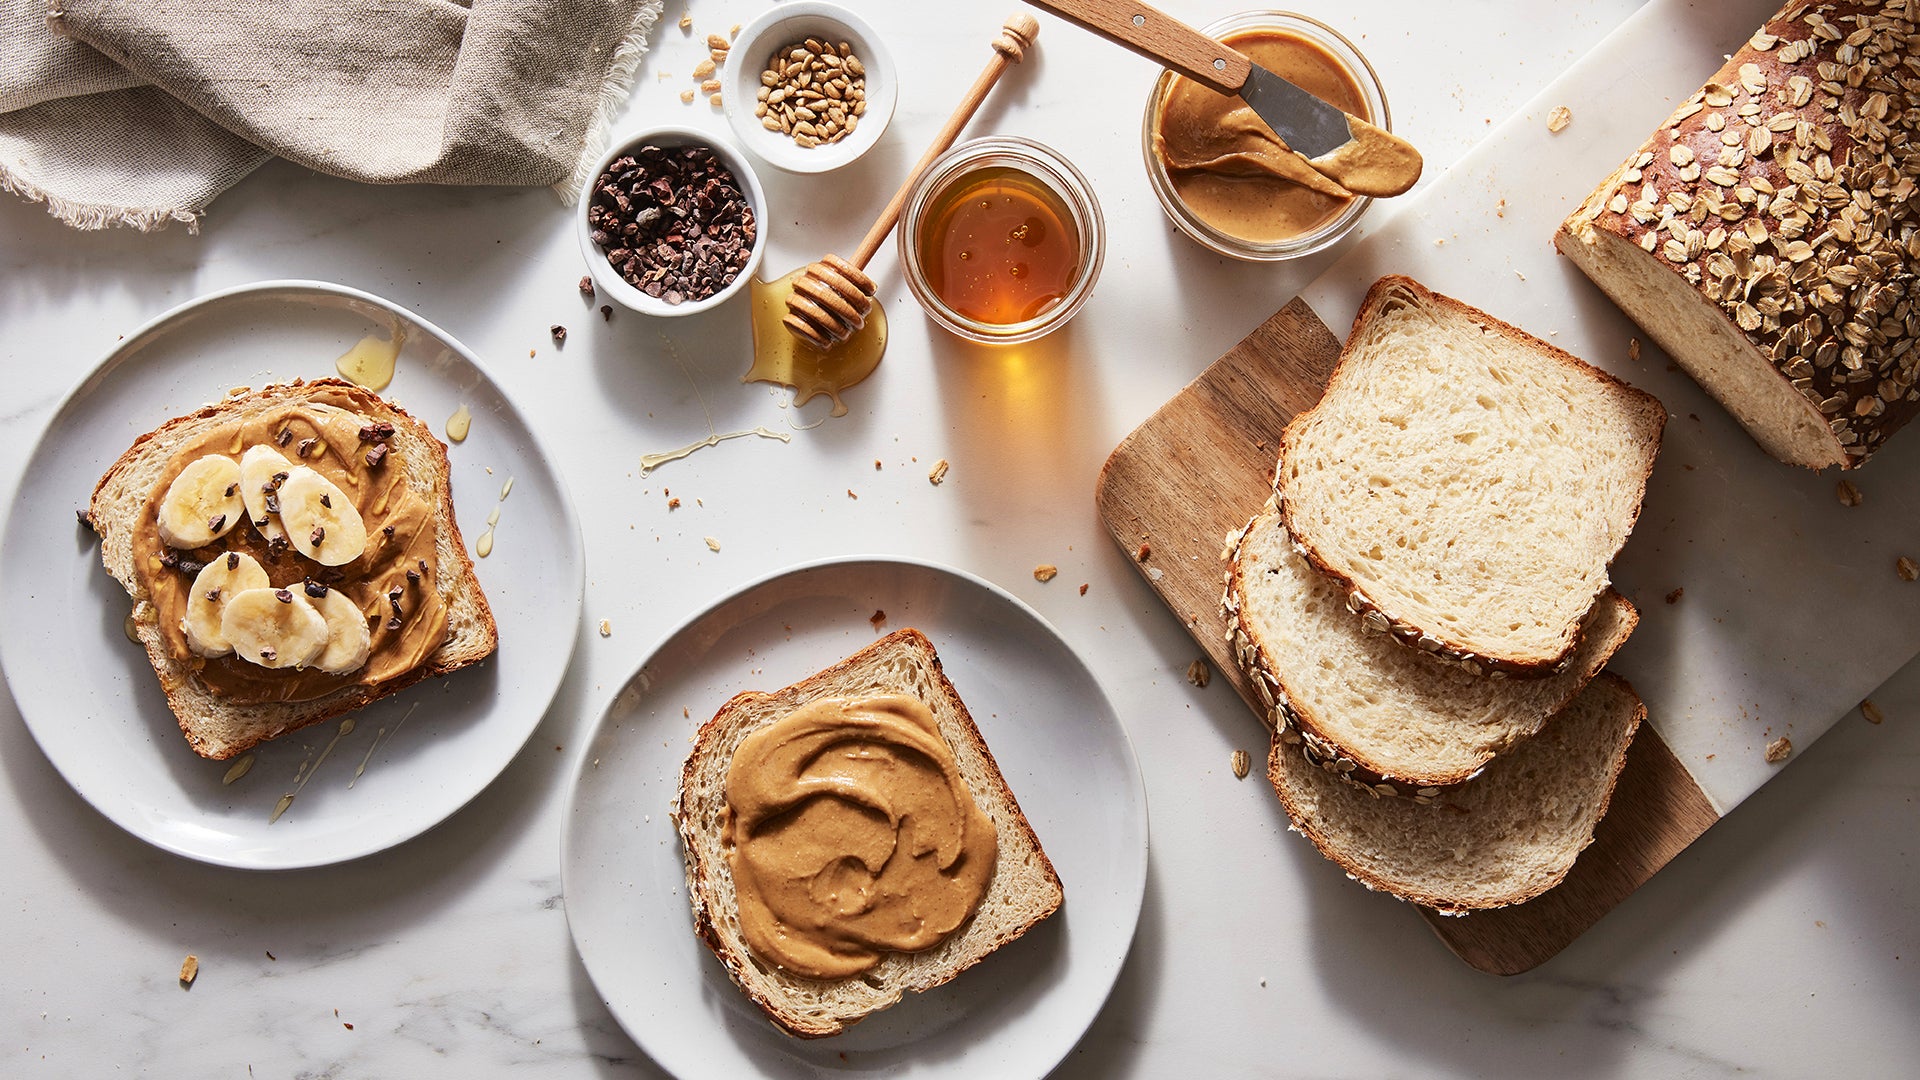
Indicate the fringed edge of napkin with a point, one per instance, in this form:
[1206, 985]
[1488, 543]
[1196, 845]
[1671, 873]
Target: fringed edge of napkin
[614, 91]
[91, 216]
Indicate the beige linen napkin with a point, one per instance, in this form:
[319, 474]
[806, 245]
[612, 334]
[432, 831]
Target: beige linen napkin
[128, 112]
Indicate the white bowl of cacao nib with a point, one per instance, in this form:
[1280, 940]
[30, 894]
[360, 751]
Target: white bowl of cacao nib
[672, 222]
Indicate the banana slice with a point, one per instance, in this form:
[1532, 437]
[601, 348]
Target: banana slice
[202, 503]
[213, 587]
[348, 640]
[258, 467]
[275, 628]
[321, 521]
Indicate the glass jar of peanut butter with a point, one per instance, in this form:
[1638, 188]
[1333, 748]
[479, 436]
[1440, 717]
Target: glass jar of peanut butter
[1222, 176]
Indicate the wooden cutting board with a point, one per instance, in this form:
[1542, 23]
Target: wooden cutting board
[1201, 466]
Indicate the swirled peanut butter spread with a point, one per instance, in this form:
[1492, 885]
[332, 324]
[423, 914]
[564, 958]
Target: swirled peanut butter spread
[1229, 168]
[324, 434]
[851, 834]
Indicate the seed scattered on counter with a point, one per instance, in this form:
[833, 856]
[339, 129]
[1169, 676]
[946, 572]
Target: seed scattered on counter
[1083, 588]
[1778, 749]
[1045, 572]
[1242, 765]
[686, 97]
[673, 502]
[718, 43]
[1674, 596]
[939, 472]
[189, 971]
[1872, 712]
[1633, 349]
[716, 101]
[710, 86]
[1848, 493]
[606, 627]
[704, 69]
[586, 288]
[1199, 673]
[1559, 118]
[686, 21]
[1906, 568]
[812, 92]
[712, 544]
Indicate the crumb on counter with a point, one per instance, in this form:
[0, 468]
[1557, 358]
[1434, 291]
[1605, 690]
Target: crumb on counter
[1674, 596]
[189, 971]
[1778, 750]
[712, 544]
[1559, 118]
[1848, 494]
[1045, 572]
[1242, 763]
[1199, 673]
[606, 627]
[939, 472]
[1872, 712]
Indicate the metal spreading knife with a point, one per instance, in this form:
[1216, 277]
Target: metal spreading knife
[1332, 141]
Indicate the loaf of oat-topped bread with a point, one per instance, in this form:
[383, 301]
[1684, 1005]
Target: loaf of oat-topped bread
[1767, 235]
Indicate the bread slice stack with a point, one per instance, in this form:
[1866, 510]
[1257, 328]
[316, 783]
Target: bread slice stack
[1023, 891]
[1423, 604]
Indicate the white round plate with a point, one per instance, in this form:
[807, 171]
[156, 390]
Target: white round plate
[1056, 738]
[91, 699]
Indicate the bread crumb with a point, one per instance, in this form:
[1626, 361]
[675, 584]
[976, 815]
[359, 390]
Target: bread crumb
[1242, 765]
[1143, 552]
[1559, 118]
[1633, 349]
[189, 971]
[686, 97]
[939, 472]
[852, 496]
[876, 464]
[1906, 568]
[1083, 588]
[1045, 572]
[1778, 749]
[878, 618]
[606, 627]
[1848, 494]
[1872, 712]
[1674, 596]
[1199, 673]
[712, 544]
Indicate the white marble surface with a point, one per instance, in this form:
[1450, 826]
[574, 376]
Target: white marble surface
[1783, 943]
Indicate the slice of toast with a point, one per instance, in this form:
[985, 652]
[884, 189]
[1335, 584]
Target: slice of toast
[219, 728]
[1367, 707]
[1503, 838]
[1468, 484]
[1024, 888]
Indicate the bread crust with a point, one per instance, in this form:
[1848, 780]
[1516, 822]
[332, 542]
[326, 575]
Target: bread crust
[773, 990]
[1652, 416]
[1314, 830]
[1828, 352]
[215, 728]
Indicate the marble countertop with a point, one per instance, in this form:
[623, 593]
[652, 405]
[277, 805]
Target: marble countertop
[1782, 943]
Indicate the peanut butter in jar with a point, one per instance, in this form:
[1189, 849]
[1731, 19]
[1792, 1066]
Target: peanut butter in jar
[1221, 174]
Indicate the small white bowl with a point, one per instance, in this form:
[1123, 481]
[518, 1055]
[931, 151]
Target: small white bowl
[608, 282]
[781, 26]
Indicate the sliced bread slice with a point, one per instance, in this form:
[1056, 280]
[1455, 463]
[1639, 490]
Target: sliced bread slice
[1023, 890]
[1468, 484]
[217, 727]
[1367, 707]
[1503, 838]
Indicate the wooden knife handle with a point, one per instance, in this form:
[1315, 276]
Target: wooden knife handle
[1158, 37]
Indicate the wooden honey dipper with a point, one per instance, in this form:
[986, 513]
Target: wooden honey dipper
[831, 299]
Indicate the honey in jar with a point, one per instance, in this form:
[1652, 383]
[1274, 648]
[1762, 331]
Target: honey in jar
[999, 247]
[1001, 240]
